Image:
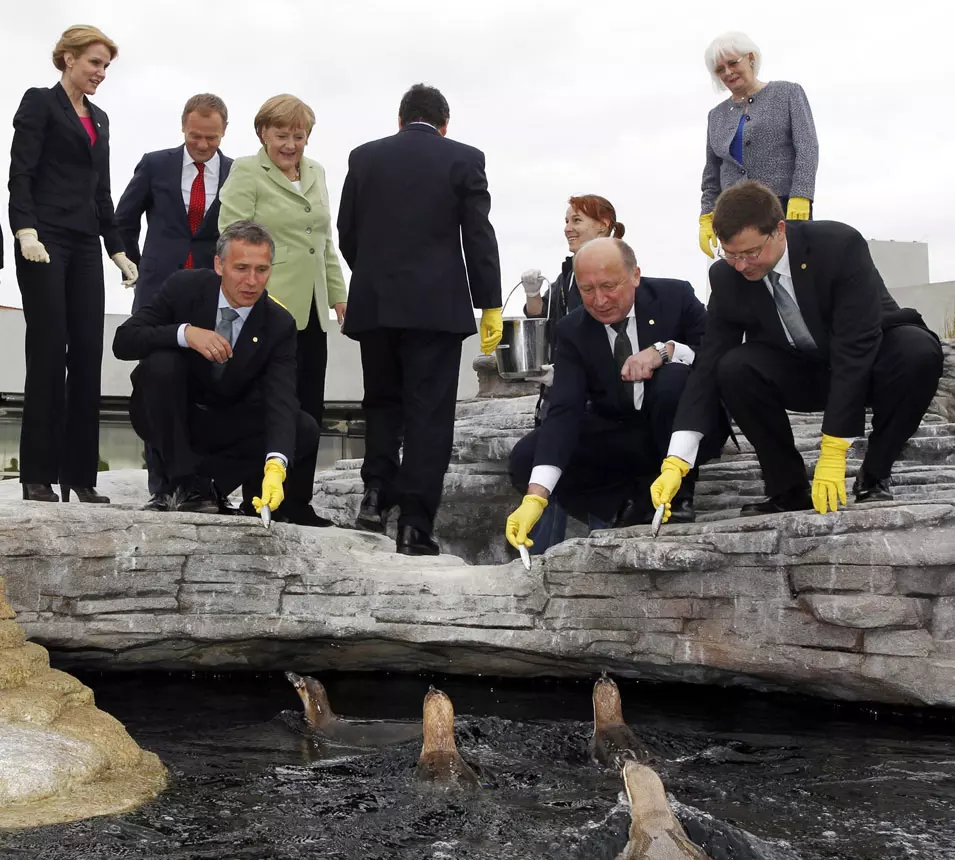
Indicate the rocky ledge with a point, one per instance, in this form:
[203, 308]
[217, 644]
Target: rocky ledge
[61, 758]
[856, 605]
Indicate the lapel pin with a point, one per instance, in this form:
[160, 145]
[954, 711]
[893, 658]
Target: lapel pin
[255, 340]
[651, 322]
[803, 266]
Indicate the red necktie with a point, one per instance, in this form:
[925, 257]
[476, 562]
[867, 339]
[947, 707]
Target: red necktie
[197, 204]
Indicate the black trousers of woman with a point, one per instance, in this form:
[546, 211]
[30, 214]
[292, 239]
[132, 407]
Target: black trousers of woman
[311, 355]
[63, 306]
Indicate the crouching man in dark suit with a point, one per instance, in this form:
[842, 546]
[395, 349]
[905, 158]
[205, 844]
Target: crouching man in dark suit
[821, 333]
[214, 391]
[622, 362]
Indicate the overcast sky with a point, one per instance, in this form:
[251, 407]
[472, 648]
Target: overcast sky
[564, 98]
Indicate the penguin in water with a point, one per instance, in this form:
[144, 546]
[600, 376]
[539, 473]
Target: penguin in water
[440, 761]
[655, 832]
[322, 720]
[612, 738]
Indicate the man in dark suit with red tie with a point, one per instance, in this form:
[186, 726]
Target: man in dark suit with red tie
[178, 191]
[800, 319]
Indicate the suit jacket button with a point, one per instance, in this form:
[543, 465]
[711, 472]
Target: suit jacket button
[308, 208]
[308, 229]
[311, 250]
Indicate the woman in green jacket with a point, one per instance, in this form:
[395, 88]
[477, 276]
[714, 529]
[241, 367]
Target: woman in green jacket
[285, 192]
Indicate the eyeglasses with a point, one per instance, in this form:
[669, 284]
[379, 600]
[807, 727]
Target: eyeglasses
[752, 254]
[728, 66]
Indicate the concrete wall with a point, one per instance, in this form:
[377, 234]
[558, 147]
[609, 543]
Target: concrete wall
[936, 303]
[342, 382]
[901, 264]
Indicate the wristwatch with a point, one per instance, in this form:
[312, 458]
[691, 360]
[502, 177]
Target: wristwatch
[662, 349]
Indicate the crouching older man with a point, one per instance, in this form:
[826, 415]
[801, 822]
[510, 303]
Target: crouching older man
[214, 391]
[622, 362]
[821, 332]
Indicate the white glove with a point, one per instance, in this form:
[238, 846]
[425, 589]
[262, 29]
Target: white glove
[546, 378]
[127, 267]
[531, 281]
[31, 247]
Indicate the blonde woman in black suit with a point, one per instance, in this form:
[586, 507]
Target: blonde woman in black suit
[60, 205]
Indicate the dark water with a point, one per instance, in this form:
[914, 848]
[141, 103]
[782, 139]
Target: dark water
[827, 781]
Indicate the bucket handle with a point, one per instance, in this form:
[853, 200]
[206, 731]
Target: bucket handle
[550, 293]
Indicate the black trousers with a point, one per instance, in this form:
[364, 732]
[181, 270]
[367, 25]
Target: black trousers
[614, 461]
[226, 444]
[759, 383]
[411, 387]
[63, 305]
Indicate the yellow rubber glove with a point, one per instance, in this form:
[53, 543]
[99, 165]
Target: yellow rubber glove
[664, 488]
[273, 493]
[708, 241]
[492, 329]
[829, 479]
[797, 209]
[521, 521]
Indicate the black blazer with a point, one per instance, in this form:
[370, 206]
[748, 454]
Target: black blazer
[409, 204]
[56, 178]
[845, 305]
[260, 374]
[156, 191]
[585, 370]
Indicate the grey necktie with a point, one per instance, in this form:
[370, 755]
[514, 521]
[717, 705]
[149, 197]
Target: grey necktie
[227, 316]
[622, 350]
[790, 315]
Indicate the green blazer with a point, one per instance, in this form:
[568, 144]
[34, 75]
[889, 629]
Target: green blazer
[306, 263]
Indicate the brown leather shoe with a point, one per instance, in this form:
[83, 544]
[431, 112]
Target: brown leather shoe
[39, 493]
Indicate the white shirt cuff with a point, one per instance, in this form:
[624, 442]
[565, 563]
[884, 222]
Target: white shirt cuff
[682, 354]
[181, 336]
[546, 476]
[275, 455]
[685, 444]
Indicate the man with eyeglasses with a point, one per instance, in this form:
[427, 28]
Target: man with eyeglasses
[821, 333]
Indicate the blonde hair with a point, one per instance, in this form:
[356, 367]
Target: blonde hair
[284, 111]
[77, 39]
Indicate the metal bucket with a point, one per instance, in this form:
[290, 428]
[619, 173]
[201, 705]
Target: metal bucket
[523, 350]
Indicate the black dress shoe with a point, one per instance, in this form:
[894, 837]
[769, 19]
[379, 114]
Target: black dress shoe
[39, 493]
[868, 489]
[195, 495]
[412, 541]
[634, 513]
[84, 494]
[793, 500]
[157, 502]
[304, 515]
[373, 514]
[681, 511]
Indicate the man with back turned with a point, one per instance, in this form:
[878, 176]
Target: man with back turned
[413, 226]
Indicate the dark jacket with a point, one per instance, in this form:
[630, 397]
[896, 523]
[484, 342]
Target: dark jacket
[585, 370]
[156, 191]
[57, 179]
[843, 300]
[261, 373]
[410, 205]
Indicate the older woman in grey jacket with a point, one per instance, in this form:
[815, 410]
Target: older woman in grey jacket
[763, 131]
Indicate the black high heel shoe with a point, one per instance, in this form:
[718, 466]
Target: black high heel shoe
[39, 493]
[84, 494]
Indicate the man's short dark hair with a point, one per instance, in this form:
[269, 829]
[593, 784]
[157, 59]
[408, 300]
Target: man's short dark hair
[424, 104]
[244, 231]
[747, 204]
[205, 104]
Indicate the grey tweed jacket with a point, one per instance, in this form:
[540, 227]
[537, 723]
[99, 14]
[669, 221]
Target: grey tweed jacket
[779, 144]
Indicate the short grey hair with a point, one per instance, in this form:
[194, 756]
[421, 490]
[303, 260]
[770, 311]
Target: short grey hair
[244, 231]
[730, 44]
[627, 255]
